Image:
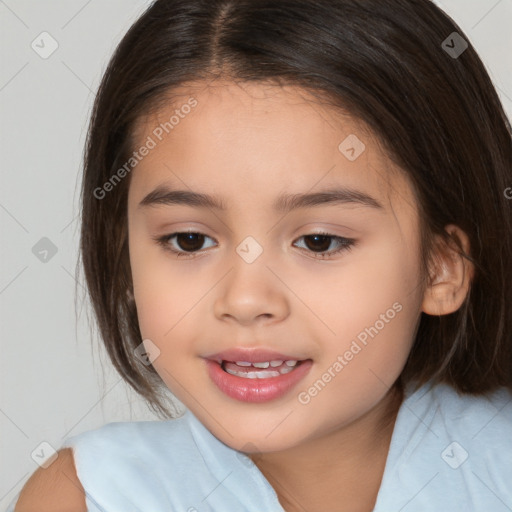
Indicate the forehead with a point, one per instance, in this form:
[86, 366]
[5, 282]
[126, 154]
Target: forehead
[230, 109]
[262, 137]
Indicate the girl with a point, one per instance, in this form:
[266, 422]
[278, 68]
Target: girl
[296, 217]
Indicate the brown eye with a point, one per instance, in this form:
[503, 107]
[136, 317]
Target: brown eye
[318, 243]
[183, 243]
[189, 241]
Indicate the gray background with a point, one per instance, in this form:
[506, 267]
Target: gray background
[55, 378]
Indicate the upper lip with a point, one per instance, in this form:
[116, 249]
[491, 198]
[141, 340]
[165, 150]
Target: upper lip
[251, 355]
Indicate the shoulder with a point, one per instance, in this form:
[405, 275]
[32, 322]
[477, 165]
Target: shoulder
[450, 451]
[482, 422]
[461, 409]
[480, 417]
[141, 436]
[54, 489]
[117, 453]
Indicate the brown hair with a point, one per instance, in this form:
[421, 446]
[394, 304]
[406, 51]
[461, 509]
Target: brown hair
[437, 115]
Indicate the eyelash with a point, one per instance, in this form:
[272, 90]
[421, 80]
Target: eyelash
[346, 244]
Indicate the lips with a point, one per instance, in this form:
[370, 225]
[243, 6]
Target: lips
[256, 375]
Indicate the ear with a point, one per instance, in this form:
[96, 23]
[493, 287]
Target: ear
[451, 276]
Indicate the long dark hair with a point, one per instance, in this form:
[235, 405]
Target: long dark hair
[395, 65]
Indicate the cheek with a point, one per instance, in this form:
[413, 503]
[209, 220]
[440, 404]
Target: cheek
[353, 298]
[161, 296]
[374, 316]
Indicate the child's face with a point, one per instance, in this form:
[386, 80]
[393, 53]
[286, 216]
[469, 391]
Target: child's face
[351, 316]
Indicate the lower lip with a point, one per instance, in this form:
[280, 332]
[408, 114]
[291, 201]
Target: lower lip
[256, 390]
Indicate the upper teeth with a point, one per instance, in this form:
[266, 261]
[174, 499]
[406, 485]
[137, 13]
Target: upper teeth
[266, 364]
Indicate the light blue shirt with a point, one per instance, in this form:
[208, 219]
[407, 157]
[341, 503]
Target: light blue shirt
[448, 453]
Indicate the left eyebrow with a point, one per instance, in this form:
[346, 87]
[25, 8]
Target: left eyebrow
[162, 195]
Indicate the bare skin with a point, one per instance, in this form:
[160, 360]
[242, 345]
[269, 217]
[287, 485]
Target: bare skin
[304, 482]
[325, 449]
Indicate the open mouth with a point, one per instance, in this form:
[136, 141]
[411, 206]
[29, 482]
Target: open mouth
[259, 380]
[261, 370]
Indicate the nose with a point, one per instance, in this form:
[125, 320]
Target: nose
[251, 293]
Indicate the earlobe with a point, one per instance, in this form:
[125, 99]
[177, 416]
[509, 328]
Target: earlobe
[451, 277]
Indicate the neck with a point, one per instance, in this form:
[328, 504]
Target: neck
[344, 468]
